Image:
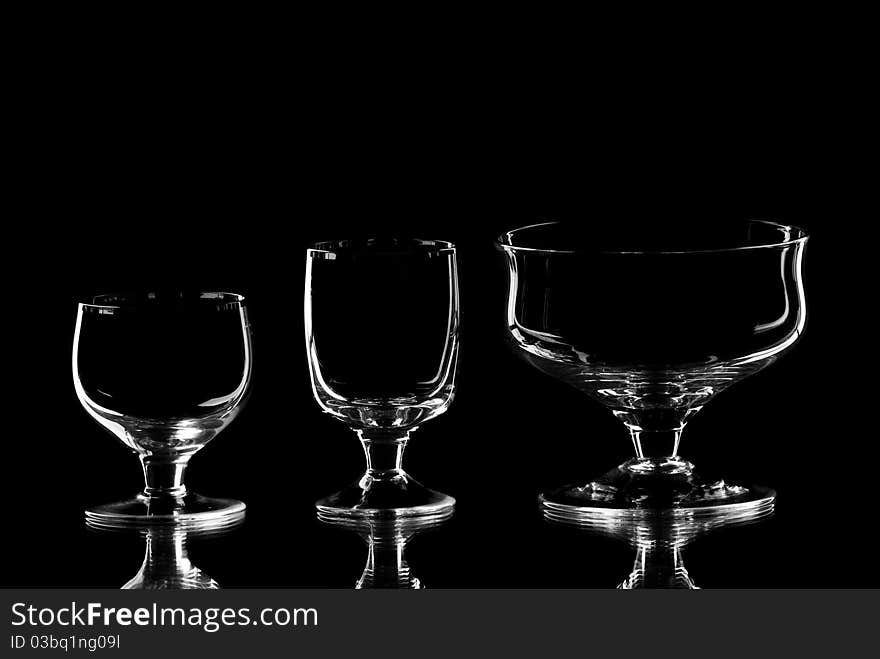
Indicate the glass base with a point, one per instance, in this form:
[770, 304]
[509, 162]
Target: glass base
[388, 527]
[189, 511]
[386, 498]
[644, 487]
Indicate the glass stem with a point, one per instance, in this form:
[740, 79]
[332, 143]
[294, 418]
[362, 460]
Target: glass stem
[655, 443]
[384, 453]
[166, 554]
[659, 565]
[656, 433]
[386, 565]
[164, 476]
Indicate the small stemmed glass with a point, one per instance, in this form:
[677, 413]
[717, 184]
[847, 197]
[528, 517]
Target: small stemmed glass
[381, 330]
[165, 372]
[653, 324]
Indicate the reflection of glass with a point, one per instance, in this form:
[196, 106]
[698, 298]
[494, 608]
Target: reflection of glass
[381, 325]
[660, 536]
[386, 542]
[653, 326]
[164, 372]
[166, 563]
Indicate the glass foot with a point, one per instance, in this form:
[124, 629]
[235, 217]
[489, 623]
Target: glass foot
[188, 511]
[398, 496]
[646, 486]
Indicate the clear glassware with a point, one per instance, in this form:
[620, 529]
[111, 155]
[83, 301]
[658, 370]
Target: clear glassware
[165, 372]
[653, 324]
[659, 537]
[166, 564]
[381, 330]
[386, 539]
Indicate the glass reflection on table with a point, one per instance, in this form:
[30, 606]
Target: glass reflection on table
[386, 539]
[660, 536]
[166, 564]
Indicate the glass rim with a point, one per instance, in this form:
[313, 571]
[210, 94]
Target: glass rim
[350, 245]
[794, 235]
[223, 296]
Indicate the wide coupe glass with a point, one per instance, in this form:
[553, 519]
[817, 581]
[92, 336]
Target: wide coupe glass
[653, 324]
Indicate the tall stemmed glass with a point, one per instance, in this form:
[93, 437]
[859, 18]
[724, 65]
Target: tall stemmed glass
[165, 372]
[381, 329]
[653, 324]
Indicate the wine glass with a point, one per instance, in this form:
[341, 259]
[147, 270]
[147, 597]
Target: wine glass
[164, 372]
[381, 330]
[659, 537]
[386, 539]
[653, 324]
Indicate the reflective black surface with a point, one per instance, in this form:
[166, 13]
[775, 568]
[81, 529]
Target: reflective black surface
[802, 427]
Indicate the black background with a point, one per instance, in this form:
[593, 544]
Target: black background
[221, 190]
